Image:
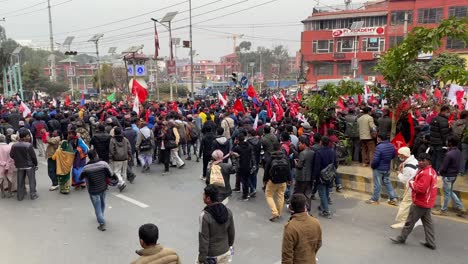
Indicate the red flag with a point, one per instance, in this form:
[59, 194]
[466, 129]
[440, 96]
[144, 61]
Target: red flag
[282, 97]
[67, 100]
[268, 106]
[399, 141]
[139, 90]
[156, 42]
[175, 107]
[359, 99]
[278, 108]
[147, 115]
[238, 106]
[424, 96]
[438, 94]
[299, 96]
[411, 125]
[251, 91]
[340, 103]
[459, 95]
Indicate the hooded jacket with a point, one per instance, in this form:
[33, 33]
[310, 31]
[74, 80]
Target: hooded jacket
[206, 146]
[100, 143]
[216, 233]
[221, 143]
[256, 147]
[119, 149]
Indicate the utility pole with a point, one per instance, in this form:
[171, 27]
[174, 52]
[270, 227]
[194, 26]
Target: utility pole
[191, 53]
[52, 63]
[96, 39]
[405, 25]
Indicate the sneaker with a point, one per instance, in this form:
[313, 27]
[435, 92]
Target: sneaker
[325, 214]
[393, 202]
[289, 210]
[34, 196]
[101, 227]
[202, 178]
[330, 202]
[165, 173]
[370, 201]
[181, 166]
[461, 212]
[188, 158]
[339, 189]
[398, 225]
[274, 218]
[122, 187]
[53, 188]
[198, 159]
[253, 194]
[397, 240]
[246, 199]
[236, 190]
[425, 244]
[313, 197]
[440, 212]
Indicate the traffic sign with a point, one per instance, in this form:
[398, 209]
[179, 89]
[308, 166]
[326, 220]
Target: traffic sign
[171, 67]
[244, 81]
[71, 71]
[130, 70]
[140, 70]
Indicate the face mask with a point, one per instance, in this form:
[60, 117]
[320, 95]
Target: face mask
[402, 159]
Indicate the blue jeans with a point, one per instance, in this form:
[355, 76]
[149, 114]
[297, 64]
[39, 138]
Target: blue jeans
[288, 189]
[338, 180]
[253, 180]
[384, 176]
[324, 194]
[448, 193]
[99, 204]
[464, 159]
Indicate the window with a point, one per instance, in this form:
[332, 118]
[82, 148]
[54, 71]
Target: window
[322, 46]
[395, 40]
[344, 69]
[345, 45]
[429, 15]
[456, 44]
[458, 11]
[375, 21]
[398, 17]
[323, 69]
[373, 44]
[366, 68]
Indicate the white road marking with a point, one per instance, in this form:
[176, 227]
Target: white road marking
[131, 200]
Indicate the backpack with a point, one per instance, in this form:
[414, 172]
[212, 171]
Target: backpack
[280, 170]
[216, 176]
[328, 173]
[194, 132]
[145, 143]
[352, 129]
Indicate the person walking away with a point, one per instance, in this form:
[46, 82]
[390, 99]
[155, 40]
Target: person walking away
[277, 176]
[217, 231]
[206, 149]
[384, 123]
[182, 131]
[132, 137]
[383, 156]
[256, 145]
[226, 170]
[25, 159]
[440, 131]
[167, 142]
[221, 142]
[406, 172]
[194, 135]
[96, 173]
[449, 171]
[119, 153]
[325, 165]
[100, 142]
[352, 132]
[460, 129]
[423, 192]
[6, 168]
[64, 158]
[38, 127]
[53, 142]
[145, 146]
[302, 236]
[152, 252]
[366, 129]
[268, 140]
[246, 165]
[303, 184]
[175, 159]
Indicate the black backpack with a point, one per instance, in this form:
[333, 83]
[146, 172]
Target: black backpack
[194, 131]
[280, 170]
[145, 143]
[328, 173]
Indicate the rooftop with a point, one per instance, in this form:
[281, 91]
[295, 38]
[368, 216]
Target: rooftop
[377, 8]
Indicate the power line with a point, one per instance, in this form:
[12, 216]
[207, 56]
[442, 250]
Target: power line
[38, 10]
[24, 8]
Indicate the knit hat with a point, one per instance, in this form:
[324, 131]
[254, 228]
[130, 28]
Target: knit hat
[404, 151]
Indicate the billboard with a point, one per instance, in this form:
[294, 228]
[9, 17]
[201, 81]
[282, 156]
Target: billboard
[364, 31]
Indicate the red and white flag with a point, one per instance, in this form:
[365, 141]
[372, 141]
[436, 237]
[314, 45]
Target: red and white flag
[282, 97]
[156, 42]
[222, 101]
[54, 102]
[25, 109]
[136, 105]
[255, 124]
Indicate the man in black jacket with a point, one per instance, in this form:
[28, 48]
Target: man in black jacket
[206, 149]
[439, 133]
[100, 142]
[217, 232]
[96, 172]
[304, 166]
[246, 165]
[25, 159]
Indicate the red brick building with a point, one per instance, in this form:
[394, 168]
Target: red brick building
[210, 70]
[329, 45]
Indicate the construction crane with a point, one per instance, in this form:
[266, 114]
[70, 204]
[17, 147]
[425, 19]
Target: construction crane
[234, 38]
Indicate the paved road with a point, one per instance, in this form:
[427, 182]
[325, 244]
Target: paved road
[62, 229]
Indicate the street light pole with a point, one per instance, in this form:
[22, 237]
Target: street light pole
[95, 39]
[191, 52]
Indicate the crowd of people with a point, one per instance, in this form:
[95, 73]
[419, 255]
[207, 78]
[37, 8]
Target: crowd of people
[95, 145]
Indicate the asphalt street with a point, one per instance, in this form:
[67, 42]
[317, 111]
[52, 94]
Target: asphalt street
[62, 229]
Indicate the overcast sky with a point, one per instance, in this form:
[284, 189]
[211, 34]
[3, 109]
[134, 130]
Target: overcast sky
[277, 22]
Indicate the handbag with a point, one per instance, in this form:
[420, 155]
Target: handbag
[170, 144]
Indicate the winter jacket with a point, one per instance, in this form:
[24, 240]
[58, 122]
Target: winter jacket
[132, 136]
[302, 238]
[52, 146]
[267, 142]
[256, 147]
[268, 160]
[226, 169]
[23, 154]
[206, 146]
[304, 165]
[119, 149]
[211, 124]
[439, 131]
[37, 127]
[216, 233]
[458, 127]
[384, 126]
[323, 157]
[52, 125]
[182, 132]
[365, 124]
[13, 120]
[451, 163]
[157, 255]
[383, 155]
[246, 158]
[100, 143]
[145, 133]
[424, 187]
[5, 160]
[221, 143]
[410, 167]
[227, 124]
[96, 172]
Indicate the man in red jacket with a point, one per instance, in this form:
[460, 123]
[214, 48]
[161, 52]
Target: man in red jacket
[424, 192]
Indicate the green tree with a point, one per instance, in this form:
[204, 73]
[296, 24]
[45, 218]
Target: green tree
[398, 63]
[107, 77]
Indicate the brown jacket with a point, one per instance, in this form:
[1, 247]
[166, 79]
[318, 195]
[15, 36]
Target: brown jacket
[365, 124]
[157, 255]
[302, 239]
[52, 146]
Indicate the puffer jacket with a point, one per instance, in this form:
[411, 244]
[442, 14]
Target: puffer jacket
[157, 255]
[217, 231]
[100, 143]
[439, 131]
[424, 187]
[119, 148]
[383, 155]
